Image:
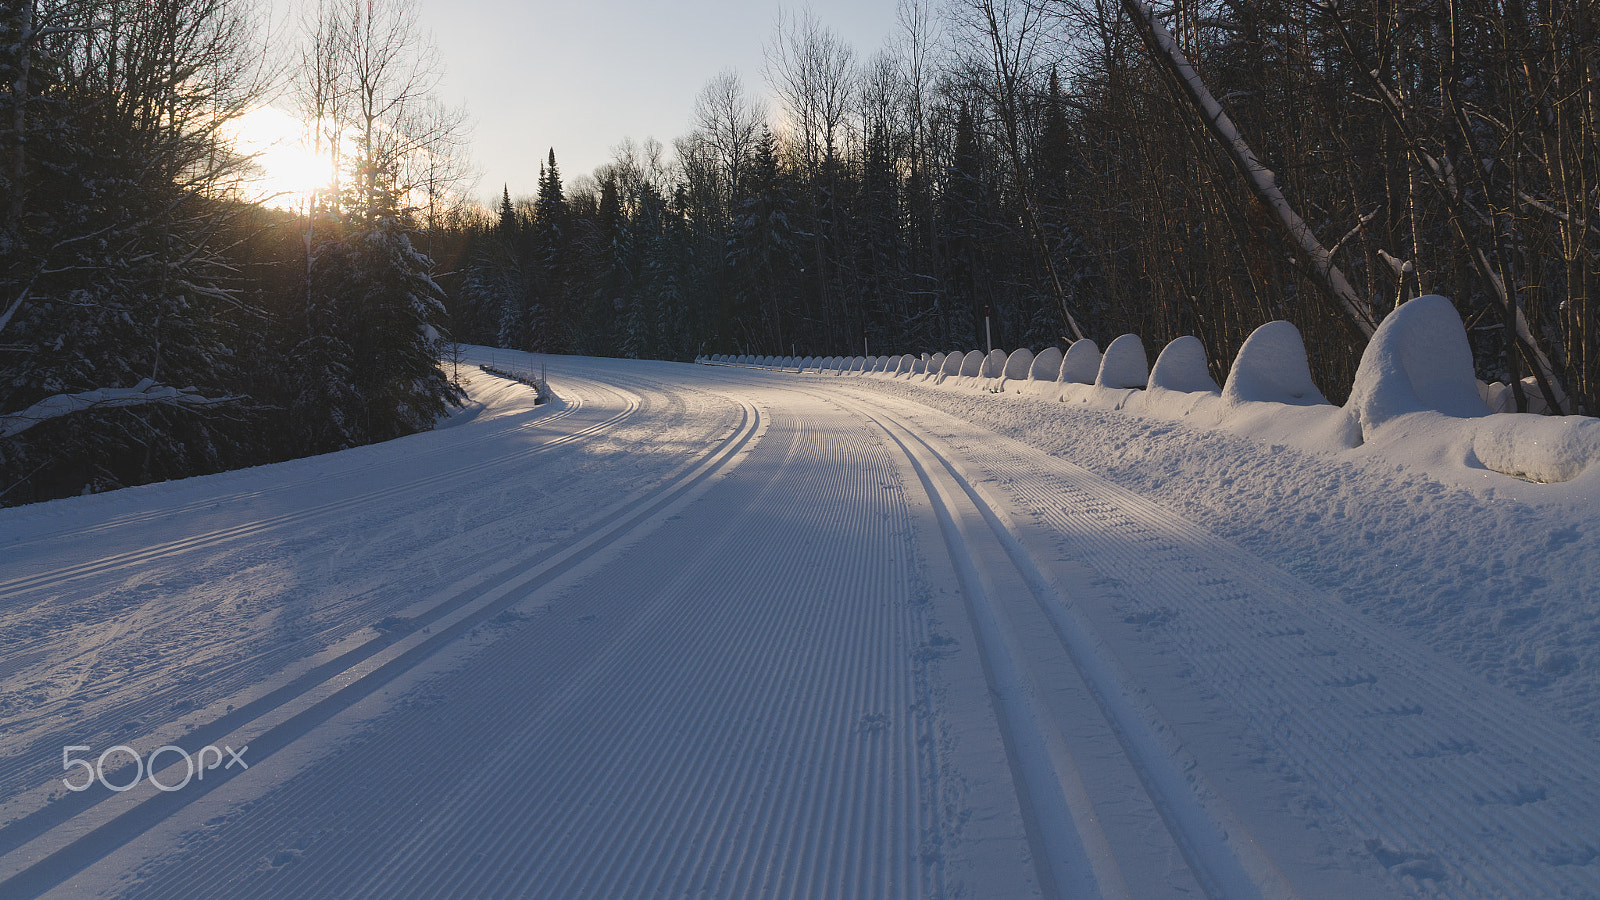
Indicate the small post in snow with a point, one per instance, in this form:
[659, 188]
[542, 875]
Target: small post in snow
[988, 338]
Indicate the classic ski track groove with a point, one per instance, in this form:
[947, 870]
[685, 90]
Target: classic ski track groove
[1496, 819]
[567, 408]
[107, 725]
[667, 821]
[14, 587]
[340, 683]
[1448, 816]
[1207, 833]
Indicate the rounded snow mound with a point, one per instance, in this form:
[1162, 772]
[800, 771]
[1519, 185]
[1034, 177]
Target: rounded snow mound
[1081, 363]
[936, 363]
[1124, 364]
[953, 362]
[1047, 365]
[1272, 367]
[1182, 367]
[1418, 359]
[1019, 364]
[972, 363]
[994, 364]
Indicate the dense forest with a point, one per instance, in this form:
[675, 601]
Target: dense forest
[1062, 166]
[1067, 168]
[155, 324]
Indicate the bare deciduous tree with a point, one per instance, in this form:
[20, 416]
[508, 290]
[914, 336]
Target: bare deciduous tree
[729, 124]
[813, 71]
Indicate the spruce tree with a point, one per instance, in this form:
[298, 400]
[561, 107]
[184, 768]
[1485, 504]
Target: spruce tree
[111, 277]
[550, 312]
[508, 215]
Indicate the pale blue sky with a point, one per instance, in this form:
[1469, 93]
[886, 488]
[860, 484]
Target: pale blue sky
[581, 76]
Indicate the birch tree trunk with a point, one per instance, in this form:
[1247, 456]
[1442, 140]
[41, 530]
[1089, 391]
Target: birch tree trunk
[1260, 180]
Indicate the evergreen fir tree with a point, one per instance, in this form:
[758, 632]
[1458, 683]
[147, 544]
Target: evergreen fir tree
[763, 251]
[508, 215]
[111, 276]
[551, 319]
[963, 218]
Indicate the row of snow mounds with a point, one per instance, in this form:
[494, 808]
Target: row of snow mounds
[1415, 387]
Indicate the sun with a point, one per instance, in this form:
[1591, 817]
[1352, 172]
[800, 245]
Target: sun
[289, 170]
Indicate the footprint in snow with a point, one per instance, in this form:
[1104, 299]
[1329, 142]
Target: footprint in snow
[873, 723]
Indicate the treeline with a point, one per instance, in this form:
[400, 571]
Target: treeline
[153, 323]
[1053, 169]
[1050, 162]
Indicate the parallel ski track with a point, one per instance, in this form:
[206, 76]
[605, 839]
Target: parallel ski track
[567, 407]
[248, 667]
[1213, 842]
[1460, 791]
[768, 749]
[11, 588]
[27, 764]
[338, 684]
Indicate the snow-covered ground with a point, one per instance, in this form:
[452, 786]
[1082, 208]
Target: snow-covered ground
[725, 632]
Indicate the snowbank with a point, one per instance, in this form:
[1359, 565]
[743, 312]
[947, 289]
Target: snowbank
[1272, 368]
[1415, 401]
[1416, 396]
[1182, 367]
[1081, 363]
[1047, 365]
[1124, 364]
[1418, 360]
[1018, 365]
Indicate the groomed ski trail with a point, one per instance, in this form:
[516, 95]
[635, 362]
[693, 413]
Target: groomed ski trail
[703, 631]
[670, 720]
[1451, 786]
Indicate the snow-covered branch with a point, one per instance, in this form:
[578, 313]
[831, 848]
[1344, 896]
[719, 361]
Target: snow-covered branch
[145, 393]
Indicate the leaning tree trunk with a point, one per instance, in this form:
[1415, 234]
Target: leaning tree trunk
[1260, 180]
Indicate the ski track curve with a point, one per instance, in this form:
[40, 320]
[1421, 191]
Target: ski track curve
[33, 631]
[724, 668]
[18, 586]
[685, 724]
[22, 766]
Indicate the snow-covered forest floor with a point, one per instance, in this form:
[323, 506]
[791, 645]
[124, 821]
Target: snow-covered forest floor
[714, 631]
